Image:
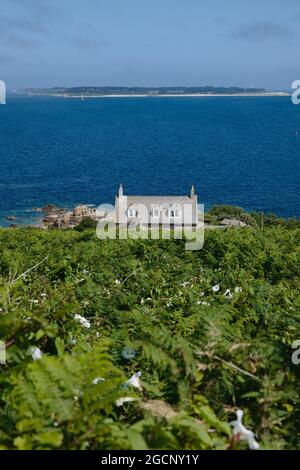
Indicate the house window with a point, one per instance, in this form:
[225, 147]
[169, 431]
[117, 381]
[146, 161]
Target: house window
[174, 213]
[132, 212]
[155, 213]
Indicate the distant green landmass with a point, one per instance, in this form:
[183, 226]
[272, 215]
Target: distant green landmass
[116, 90]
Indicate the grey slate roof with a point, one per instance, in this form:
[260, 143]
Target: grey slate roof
[150, 200]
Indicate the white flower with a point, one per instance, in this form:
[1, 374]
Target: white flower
[123, 400]
[43, 295]
[117, 282]
[36, 353]
[33, 301]
[216, 288]
[169, 304]
[134, 381]
[184, 284]
[83, 321]
[142, 301]
[199, 302]
[238, 289]
[242, 432]
[97, 380]
[228, 293]
[202, 294]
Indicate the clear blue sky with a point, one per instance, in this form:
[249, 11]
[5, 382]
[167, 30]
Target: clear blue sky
[149, 42]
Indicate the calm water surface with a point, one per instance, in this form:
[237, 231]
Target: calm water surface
[241, 151]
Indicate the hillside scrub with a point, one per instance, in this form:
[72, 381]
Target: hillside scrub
[139, 344]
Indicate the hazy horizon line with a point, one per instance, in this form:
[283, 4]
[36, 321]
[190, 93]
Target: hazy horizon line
[147, 86]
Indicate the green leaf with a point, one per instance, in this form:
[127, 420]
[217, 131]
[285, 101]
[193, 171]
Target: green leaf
[22, 443]
[193, 427]
[251, 395]
[60, 346]
[207, 413]
[39, 334]
[51, 438]
[136, 440]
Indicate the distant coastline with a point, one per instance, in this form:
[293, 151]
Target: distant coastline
[143, 92]
[183, 95]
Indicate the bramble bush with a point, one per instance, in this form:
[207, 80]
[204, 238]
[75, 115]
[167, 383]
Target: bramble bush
[210, 331]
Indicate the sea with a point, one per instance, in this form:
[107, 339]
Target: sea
[243, 151]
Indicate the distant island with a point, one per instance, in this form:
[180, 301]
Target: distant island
[110, 91]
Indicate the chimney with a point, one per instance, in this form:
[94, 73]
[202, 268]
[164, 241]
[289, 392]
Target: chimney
[192, 192]
[121, 192]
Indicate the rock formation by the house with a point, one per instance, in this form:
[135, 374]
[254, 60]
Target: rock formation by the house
[66, 218]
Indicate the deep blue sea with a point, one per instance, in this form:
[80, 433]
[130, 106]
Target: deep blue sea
[236, 150]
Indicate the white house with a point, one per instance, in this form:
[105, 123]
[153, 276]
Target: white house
[157, 211]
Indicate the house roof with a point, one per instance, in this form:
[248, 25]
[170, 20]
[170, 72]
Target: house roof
[153, 200]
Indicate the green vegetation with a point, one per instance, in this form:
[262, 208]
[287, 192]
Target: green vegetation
[87, 222]
[255, 219]
[149, 306]
[217, 213]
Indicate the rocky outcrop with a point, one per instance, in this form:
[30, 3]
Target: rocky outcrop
[232, 223]
[66, 218]
[50, 208]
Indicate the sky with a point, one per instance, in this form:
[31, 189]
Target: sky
[46, 43]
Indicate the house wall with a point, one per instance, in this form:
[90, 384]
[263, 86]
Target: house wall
[188, 216]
